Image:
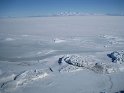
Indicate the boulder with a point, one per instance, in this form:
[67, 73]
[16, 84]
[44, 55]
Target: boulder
[117, 57]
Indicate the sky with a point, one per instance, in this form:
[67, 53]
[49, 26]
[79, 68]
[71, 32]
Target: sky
[16, 8]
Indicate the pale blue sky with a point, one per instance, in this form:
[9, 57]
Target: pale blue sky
[44, 7]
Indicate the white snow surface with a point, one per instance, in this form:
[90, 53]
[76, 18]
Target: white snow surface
[56, 40]
[68, 54]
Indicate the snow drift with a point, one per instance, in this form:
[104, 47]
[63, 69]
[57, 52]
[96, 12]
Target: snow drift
[12, 81]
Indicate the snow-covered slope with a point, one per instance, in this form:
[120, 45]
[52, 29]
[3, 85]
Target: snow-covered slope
[76, 54]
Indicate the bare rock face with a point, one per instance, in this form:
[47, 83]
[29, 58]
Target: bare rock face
[117, 57]
[74, 60]
[70, 62]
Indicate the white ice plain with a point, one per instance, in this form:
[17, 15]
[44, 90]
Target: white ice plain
[75, 54]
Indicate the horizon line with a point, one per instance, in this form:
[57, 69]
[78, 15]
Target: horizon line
[62, 15]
